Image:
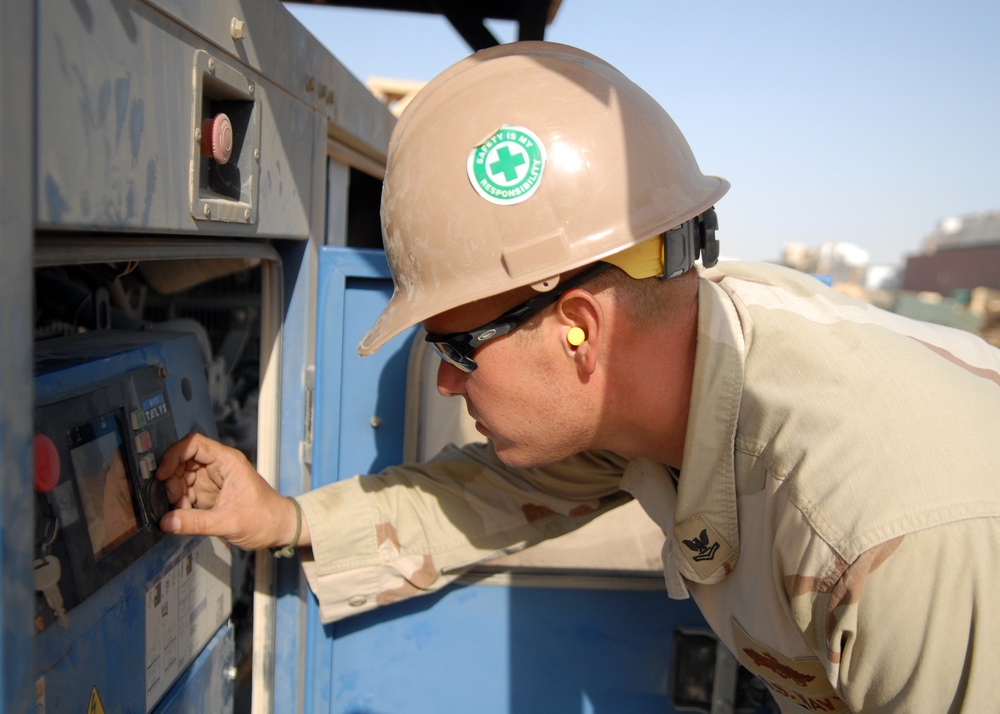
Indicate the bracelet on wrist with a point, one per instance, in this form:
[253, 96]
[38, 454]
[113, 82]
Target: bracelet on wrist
[289, 550]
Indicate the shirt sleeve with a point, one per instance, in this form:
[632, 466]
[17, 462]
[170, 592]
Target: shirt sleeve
[409, 530]
[911, 625]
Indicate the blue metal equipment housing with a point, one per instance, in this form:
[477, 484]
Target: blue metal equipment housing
[142, 609]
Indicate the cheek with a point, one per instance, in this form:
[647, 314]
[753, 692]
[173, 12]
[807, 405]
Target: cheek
[517, 389]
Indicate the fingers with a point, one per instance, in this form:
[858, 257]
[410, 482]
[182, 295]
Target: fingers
[188, 455]
[216, 491]
[194, 469]
[250, 532]
[174, 487]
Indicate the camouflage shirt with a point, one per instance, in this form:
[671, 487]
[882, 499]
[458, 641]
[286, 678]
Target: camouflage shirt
[836, 521]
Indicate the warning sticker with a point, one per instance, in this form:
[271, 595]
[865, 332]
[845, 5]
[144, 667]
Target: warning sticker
[95, 706]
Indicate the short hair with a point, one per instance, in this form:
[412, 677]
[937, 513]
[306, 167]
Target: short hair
[649, 300]
[645, 302]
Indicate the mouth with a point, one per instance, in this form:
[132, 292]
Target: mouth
[480, 427]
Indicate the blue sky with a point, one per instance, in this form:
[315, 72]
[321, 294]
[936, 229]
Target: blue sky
[864, 121]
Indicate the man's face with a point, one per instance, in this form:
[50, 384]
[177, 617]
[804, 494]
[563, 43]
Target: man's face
[520, 393]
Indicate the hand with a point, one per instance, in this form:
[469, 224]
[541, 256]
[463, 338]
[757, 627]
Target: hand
[216, 491]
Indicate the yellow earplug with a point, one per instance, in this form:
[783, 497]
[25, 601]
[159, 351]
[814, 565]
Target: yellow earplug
[576, 336]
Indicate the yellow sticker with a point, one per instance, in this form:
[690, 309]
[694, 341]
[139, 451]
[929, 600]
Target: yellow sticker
[95, 706]
[801, 681]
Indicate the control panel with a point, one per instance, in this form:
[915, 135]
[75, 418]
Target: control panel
[121, 609]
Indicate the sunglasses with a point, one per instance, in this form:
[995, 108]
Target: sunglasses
[457, 348]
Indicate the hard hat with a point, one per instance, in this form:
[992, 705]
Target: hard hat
[519, 163]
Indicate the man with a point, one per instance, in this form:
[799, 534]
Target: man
[824, 473]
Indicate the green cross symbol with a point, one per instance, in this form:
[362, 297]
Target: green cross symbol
[506, 163]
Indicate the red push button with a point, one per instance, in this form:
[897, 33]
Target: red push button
[143, 442]
[217, 138]
[47, 464]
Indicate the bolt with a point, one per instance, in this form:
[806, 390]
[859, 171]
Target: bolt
[375, 421]
[207, 210]
[161, 372]
[211, 65]
[256, 154]
[237, 29]
[250, 88]
[246, 214]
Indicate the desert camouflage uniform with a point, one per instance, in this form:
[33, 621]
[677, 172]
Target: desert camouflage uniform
[837, 520]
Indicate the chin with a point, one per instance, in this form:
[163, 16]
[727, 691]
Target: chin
[520, 458]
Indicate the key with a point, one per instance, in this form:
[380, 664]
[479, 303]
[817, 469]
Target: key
[47, 574]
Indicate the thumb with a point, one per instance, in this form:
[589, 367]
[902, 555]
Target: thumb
[189, 521]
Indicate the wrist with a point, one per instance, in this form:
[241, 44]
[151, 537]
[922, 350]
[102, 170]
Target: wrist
[295, 521]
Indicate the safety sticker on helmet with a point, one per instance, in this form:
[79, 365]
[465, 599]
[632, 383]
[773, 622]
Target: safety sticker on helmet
[507, 167]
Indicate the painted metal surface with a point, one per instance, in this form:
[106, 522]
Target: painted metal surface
[127, 641]
[16, 200]
[122, 89]
[100, 120]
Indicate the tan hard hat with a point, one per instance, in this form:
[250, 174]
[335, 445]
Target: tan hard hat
[517, 164]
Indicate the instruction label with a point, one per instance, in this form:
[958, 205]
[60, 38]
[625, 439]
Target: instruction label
[185, 605]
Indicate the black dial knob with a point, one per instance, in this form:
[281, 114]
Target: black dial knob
[156, 497]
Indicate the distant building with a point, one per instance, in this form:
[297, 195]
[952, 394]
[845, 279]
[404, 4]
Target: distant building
[394, 93]
[846, 265]
[961, 255]
[842, 262]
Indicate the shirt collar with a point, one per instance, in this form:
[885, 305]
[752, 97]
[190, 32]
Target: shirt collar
[706, 522]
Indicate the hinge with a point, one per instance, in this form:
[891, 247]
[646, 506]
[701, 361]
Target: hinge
[306, 445]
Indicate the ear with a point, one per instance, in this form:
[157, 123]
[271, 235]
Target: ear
[580, 309]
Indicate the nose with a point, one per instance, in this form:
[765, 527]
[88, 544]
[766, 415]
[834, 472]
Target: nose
[450, 380]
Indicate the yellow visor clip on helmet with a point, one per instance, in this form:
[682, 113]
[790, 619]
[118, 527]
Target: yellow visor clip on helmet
[674, 252]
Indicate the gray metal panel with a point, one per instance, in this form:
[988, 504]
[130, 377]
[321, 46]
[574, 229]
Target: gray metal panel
[277, 46]
[117, 119]
[17, 688]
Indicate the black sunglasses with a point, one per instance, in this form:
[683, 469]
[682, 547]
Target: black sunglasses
[456, 348]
